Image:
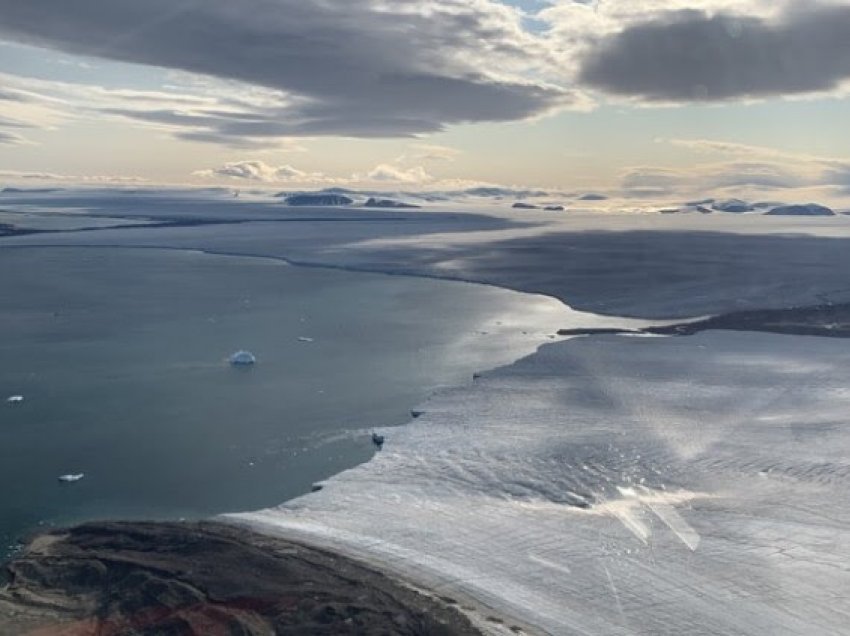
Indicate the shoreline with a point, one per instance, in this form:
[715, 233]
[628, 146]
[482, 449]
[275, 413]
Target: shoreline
[34, 596]
[826, 321]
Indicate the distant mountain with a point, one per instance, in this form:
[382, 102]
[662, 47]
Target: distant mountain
[593, 197]
[554, 208]
[387, 203]
[732, 205]
[807, 209]
[319, 199]
[519, 205]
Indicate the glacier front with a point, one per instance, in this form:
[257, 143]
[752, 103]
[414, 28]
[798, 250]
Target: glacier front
[617, 485]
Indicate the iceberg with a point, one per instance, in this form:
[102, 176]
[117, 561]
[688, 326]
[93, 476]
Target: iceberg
[71, 478]
[242, 358]
[15, 399]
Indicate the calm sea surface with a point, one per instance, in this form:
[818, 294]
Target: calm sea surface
[121, 358]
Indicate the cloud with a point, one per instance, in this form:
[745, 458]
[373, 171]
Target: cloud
[53, 177]
[393, 174]
[9, 138]
[260, 171]
[430, 152]
[192, 110]
[689, 55]
[9, 122]
[735, 166]
[362, 68]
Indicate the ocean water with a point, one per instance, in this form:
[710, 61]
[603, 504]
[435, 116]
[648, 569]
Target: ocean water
[120, 355]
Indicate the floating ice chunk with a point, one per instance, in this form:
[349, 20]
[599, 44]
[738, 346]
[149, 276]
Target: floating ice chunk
[15, 399]
[305, 339]
[71, 478]
[242, 358]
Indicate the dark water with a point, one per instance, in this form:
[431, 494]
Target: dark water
[121, 358]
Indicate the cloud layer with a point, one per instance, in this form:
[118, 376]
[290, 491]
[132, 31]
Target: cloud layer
[694, 55]
[257, 171]
[733, 167]
[342, 67]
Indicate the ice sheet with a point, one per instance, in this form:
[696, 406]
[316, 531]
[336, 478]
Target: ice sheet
[619, 485]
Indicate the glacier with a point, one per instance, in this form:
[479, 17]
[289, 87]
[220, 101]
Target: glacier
[617, 485]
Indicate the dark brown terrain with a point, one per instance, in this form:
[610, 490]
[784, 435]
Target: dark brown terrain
[134, 579]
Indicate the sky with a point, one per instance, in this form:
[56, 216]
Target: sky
[633, 97]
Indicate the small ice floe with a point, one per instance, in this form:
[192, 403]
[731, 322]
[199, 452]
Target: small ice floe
[71, 478]
[378, 440]
[304, 339]
[15, 399]
[242, 359]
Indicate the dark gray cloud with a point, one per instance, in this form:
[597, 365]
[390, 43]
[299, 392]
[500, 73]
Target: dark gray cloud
[690, 55]
[8, 138]
[348, 67]
[838, 175]
[9, 122]
[7, 95]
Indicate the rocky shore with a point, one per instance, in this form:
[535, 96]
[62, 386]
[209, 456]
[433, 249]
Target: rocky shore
[135, 579]
[827, 320]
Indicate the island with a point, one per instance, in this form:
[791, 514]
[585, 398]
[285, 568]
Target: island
[388, 203]
[318, 199]
[732, 205]
[807, 209]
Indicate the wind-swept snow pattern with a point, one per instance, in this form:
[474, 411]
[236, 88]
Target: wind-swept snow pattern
[618, 485]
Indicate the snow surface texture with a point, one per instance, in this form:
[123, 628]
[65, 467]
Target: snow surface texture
[619, 485]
